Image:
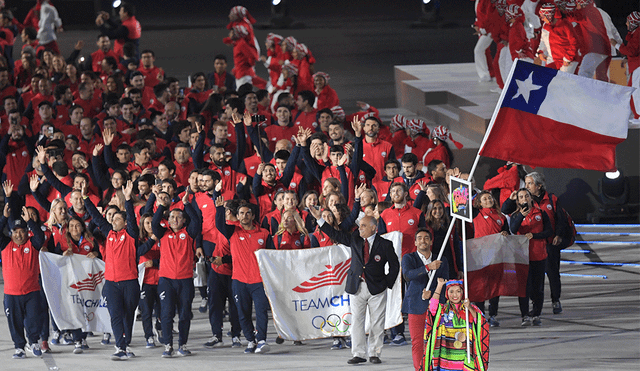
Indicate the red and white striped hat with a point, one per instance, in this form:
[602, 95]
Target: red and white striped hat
[634, 20]
[417, 126]
[302, 49]
[398, 122]
[547, 10]
[443, 134]
[338, 113]
[324, 75]
[291, 69]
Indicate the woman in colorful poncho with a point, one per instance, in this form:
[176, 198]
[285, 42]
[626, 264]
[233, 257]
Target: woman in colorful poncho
[445, 332]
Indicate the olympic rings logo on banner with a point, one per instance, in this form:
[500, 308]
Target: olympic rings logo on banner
[332, 323]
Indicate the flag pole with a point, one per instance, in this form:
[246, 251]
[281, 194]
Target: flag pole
[493, 118]
[466, 287]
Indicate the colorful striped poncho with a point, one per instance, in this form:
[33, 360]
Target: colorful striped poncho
[445, 341]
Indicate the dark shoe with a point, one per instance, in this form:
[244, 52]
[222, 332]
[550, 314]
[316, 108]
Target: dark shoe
[399, 340]
[356, 360]
[375, 360]
[536, 321]
[526, 321]
[493, 322]
[279, 340]
[557, 307]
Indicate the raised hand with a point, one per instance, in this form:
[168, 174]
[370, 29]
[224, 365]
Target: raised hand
[219, 186]
[107, 137]
[356, 125]
[247, 118]
[41, 154]
[7, 186]
[360, 190]
[219, 201]
[317, 213]
[25, 214]
[34, 183]
[127, 190]
[97, 148]
[423, 185]
[343, 159]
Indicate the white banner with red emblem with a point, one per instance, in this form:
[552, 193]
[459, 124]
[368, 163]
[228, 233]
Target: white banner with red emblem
[73, 286]
[306, 290]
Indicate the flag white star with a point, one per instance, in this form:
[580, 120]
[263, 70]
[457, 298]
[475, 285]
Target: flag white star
[526, 87]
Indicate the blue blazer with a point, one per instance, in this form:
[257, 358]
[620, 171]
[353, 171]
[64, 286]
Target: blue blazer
[415, 273]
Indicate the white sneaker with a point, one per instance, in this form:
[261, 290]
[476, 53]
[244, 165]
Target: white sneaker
[78, 348]
[262, 347]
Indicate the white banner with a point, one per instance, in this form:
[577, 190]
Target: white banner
[73, 286]
[306, 290]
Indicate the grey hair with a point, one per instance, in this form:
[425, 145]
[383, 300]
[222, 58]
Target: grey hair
[538, 179]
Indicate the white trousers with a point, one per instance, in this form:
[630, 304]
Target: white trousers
[589, 63]
[484, 41]
[377, 306]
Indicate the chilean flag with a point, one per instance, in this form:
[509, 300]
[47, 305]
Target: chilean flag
[497, 266]
[554, 119]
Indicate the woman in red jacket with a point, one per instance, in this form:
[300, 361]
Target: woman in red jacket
[530, 221]
[488, 220]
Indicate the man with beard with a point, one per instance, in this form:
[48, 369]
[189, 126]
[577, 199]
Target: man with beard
[245, 237]
[406, 219]
[152, 75]
[137, 81]
[411, 175]
[375, 151]
[233, 181]
[104, 50]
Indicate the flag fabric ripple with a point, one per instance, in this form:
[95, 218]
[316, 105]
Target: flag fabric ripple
[554, 119]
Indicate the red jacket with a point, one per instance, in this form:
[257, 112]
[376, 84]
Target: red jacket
[120, 257]
[244, 58]
[151, 275]
[632, 51]
[507, 181]
[152, 76]
[20, 268]
[176, 255]
[207, 208]
[406, 220]
[533, 223]
[98, 56]
[135, 31]
[563, 42]
[291, 241]
[488, 221]
[305, 119]
[243, 245]
[593, 31]
[376, 154]
[327, 98]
